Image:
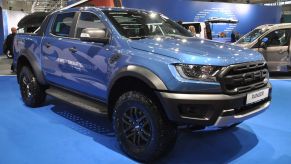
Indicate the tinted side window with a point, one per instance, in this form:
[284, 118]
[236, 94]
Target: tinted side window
[278, 38]
[88, 20]
[43, 26]
[62, 24]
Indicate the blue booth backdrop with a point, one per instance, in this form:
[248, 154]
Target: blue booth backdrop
[1, 29]
[248, 15]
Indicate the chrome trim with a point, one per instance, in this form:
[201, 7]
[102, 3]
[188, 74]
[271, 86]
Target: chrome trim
[228, 110]
[181, 96]
[196, 118]
[229, 120]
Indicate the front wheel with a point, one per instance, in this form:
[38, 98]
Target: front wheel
[33, 93]
[142, 130]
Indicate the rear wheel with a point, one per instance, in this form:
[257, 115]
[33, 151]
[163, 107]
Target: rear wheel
[142, 130]
[33, 93]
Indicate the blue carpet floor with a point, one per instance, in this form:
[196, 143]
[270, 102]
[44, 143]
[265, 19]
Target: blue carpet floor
[61, 134]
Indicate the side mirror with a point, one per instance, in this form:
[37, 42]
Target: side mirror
[94, 35]
[264, 42]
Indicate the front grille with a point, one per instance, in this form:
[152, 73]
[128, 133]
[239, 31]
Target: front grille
[244, 77]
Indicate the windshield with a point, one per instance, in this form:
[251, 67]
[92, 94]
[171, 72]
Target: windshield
[141, 24]
[253, 35]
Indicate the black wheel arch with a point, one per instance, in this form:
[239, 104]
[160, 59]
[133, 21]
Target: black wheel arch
[141, 73]
[133, 78]
[30, 60]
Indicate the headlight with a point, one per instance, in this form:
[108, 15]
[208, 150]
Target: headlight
[198, 72]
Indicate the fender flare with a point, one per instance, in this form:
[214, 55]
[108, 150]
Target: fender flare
[36, 68]
[144, 74]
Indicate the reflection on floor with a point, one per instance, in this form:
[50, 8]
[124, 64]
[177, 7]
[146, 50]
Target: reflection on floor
[5, 65]
[58, 133]
[280, 75]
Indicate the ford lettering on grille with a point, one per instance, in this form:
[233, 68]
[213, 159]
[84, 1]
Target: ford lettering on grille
[244, 77]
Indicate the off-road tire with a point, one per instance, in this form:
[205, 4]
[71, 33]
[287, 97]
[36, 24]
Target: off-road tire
[33, 93]
[163, 133]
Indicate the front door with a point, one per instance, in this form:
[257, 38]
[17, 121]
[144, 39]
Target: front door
[277, 50]
[91, 58]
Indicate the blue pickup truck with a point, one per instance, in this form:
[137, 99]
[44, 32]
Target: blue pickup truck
[142, 70]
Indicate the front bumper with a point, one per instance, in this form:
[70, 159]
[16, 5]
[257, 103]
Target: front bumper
[217, 110]
[223, 121]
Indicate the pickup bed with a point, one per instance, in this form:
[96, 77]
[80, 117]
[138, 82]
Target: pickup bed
[142, 70]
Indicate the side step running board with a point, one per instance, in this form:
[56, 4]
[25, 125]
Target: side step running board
[77, 100]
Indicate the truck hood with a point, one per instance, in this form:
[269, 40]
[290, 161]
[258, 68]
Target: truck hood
[247, 45]
[196, 51]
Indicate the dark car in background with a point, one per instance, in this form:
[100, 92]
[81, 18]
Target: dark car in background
[31, 22]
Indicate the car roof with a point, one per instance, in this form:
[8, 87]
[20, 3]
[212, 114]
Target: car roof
[101, 8]
[275, 26]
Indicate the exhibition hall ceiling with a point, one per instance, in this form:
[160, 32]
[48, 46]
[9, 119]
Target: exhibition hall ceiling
[251, 1]
[48, 5]
[247, 1]
[33, 5]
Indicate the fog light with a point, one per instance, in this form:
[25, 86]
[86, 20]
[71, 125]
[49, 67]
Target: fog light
[228, 112]
[200, 112]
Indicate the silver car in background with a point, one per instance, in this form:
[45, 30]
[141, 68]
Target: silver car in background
[273, 41]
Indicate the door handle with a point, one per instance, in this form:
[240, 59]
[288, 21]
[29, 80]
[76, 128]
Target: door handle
[73, 50]
[48, 45]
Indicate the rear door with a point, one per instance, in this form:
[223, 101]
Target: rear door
[56, 62]
[277, 51]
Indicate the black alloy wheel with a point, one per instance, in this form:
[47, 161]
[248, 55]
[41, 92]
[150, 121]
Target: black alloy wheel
[137, 127]
[27, 88]
[142, 129]
[33, 93]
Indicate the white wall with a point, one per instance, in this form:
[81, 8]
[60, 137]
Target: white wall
[11, 19]
[14, 17]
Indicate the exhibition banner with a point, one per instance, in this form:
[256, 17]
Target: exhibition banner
[248, 16]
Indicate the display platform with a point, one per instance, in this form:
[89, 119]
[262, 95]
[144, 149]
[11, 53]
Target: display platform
[58, 133]
[5, 65]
